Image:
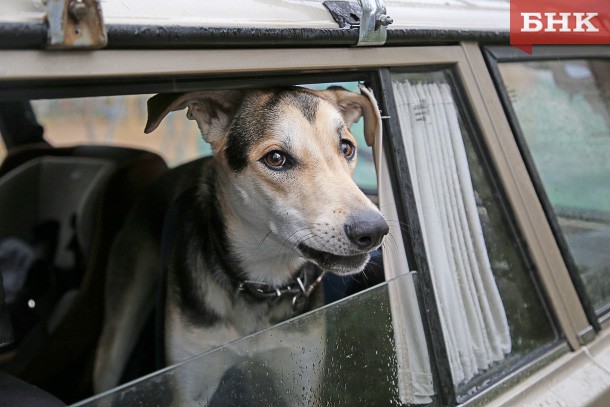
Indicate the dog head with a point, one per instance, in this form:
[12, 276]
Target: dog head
[286, 158]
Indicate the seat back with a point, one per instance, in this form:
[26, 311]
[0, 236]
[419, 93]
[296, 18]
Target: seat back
[60, 189]
[67, 204]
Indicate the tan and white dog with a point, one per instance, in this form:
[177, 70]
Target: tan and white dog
[251, 230]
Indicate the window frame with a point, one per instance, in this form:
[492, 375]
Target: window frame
[462, 67]
[36, 74]
[495, 55]
[522, 197]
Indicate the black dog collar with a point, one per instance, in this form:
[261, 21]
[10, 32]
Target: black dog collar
[300, 288]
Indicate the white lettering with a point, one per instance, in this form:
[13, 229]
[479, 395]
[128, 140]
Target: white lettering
[563, 21]
[530, 19]
[580, 22]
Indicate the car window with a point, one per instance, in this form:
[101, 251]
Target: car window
[350, 362]
[120, 120]
[562, 109]
[492, 316]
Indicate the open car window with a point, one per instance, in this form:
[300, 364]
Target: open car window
[118, 121]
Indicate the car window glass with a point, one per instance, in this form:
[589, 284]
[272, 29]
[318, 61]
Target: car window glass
[562, 108]
[491, 312]
[349, 361]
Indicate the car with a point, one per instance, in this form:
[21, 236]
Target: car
[493, 173]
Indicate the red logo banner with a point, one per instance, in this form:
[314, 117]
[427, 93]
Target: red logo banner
[559, 22]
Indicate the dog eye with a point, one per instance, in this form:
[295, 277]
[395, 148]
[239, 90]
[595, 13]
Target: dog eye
[275, 160]
[348, 149]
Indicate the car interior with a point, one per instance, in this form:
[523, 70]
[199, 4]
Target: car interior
[62, 207]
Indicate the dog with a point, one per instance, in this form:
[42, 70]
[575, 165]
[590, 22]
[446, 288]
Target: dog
[253, 229]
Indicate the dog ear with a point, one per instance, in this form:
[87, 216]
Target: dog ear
[212, 110]
[353, 106]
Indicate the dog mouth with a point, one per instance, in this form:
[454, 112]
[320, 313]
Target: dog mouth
[335, 263]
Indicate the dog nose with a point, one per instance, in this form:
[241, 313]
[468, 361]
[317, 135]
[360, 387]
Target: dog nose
[365, 230]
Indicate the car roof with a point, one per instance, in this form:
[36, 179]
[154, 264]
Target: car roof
[470, 15]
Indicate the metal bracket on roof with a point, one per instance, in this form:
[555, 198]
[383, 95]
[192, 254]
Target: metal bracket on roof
[373, 23]
[367, 15]
[75, 24]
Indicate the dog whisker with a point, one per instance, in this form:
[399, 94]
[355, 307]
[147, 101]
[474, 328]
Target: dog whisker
[400, 224]
[287, 239]
[303, 239]
[258, 247]
[388, 204]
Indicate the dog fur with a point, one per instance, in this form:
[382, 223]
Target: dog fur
[276, 201]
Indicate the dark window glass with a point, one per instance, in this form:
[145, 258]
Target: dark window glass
[562, 108]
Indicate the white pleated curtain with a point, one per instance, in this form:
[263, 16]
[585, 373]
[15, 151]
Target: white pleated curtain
[471, 311]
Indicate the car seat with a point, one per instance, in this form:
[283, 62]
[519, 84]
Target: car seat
[61, 208]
